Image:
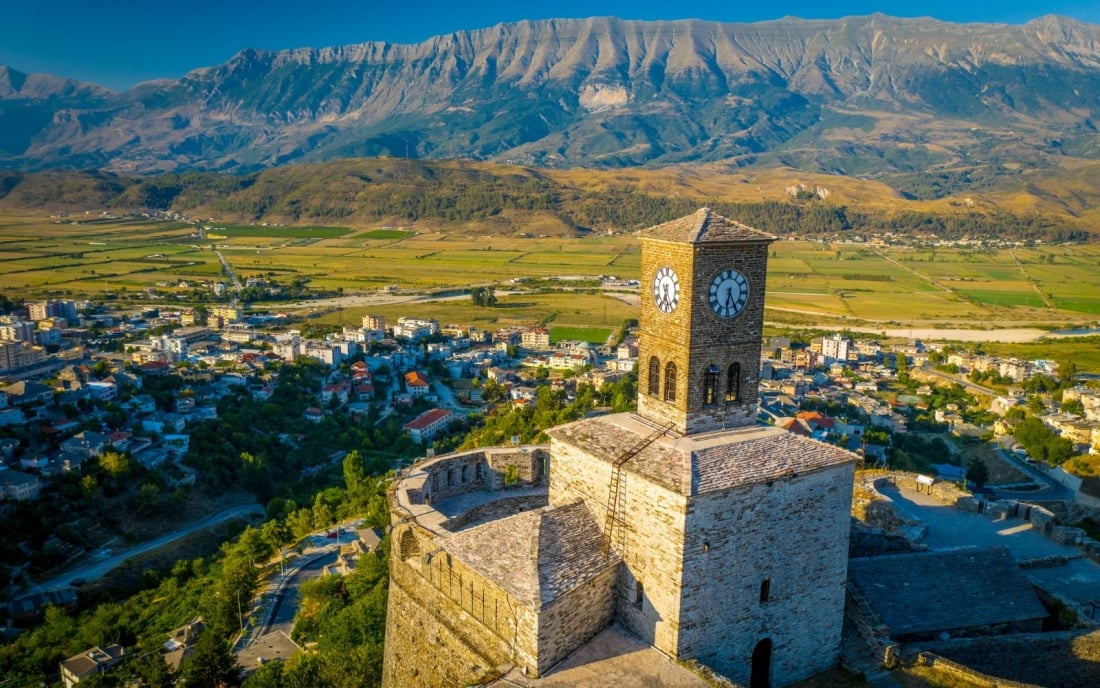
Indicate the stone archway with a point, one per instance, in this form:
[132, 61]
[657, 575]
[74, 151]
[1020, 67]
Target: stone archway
[761, 676]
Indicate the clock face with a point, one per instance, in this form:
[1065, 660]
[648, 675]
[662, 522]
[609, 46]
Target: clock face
[729, 292]
[666, 290]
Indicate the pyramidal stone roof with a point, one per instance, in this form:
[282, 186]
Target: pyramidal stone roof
[704, 225]
[536, 556]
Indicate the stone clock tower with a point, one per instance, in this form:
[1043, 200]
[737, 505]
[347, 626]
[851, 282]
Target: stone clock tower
[705, 534]
[702, 307]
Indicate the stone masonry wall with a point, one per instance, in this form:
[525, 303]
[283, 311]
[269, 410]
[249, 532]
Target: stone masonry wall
[576, 618]
[447, 625]
[695, 338]
[454, 474]
[420, 650]
[790, 535]
[648, 536]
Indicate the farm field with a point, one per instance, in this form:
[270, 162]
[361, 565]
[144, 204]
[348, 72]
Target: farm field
[568, 315]
[833, 284]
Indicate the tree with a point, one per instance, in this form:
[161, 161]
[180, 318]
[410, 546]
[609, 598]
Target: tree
[146, 499]
[253, 546]
[212, 665]
[977, 471]
[483, 296]
[300, 523]
[355, 475]
[116, 464]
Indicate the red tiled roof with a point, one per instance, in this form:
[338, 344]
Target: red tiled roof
[427, 418]
[416, 379]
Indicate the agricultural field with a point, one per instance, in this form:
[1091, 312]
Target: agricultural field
[570, 315]
[833, 284]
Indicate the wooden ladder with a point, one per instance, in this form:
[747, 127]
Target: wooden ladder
[616, 480]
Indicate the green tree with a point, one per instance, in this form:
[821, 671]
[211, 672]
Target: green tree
[902, 368]
[977, 471]
[253, 546]
[147, 498]
[355, 475]
[484, 297]
[212, 665]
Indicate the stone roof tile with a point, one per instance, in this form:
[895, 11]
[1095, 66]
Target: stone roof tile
[704, 225]
[696, 464]
[569, 550]
[504, 551]
[536, 556]
[931, 592]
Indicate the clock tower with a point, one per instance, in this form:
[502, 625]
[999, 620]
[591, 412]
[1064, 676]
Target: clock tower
[702, 312]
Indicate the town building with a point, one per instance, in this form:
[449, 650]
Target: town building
[535, 338]
[428, 424]
[415, 329]
[18, 485]
[835, 348]
[89, 663]
[417, 383]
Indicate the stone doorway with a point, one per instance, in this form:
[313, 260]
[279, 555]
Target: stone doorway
[761, 676]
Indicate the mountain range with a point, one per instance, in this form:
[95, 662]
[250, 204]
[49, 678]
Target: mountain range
[913, 99]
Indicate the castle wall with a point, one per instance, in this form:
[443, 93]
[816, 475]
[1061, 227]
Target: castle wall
[446, 625]
[473, 471]
[648, 535]
[738, 539]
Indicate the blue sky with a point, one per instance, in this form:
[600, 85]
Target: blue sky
[118, 43]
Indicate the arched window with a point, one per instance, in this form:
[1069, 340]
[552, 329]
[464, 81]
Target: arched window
[670, 382]
[733, 383]
[765, 589]
[654, 376]
[710, 386]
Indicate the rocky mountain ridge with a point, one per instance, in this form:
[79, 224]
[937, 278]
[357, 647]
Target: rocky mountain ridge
[866, 96]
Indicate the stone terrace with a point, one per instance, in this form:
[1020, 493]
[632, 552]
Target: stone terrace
[702, 463]
[922, 594]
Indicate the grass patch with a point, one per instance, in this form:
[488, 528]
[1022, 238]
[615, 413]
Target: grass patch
[592, 335]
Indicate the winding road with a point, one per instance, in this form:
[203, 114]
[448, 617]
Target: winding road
[100, 568]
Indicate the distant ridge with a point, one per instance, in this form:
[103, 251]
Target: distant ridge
[865, 96]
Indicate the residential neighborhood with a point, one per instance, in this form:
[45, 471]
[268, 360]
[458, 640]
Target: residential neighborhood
[88, 391]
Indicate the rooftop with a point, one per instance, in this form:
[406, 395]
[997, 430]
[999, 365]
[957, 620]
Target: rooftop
[696, 464]
[705, 226]
[930, 592]
[536, 556]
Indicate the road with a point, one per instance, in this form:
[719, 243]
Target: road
[229, 272]
[277, 603]
[285, 599]
[967, 384]
[447, 398]
[1049, 488]
[97, 570]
